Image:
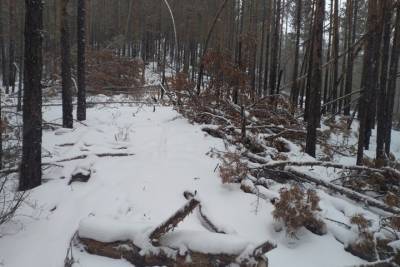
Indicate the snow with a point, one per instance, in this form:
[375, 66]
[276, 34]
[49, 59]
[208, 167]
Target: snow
[109, 230]
[395, 245]
[137, 192]
[126, 197]
[206, 242]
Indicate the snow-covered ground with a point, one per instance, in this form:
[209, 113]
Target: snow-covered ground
[170, 156]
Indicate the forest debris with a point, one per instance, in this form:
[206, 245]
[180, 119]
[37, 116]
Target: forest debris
[351, 194]
[80, 176]
[283, 176]
[364, 249]
[208, 224]
[385, 171]
[296, 208]
[107, 70]
[160, 247]
[214, 132]
[166, 256]
[173, 221]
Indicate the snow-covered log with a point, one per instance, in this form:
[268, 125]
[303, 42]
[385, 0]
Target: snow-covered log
[383, 171]
[292, 174]
[114, 239]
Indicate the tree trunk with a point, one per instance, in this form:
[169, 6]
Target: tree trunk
[382, 98]
[351, 23]
[81, 109]
[369, 76]
[31, 171]
[262, 44]
[335, 52]
[316, 79]
[275, 45]
[391, 90]
[66, 67]
[295, 85]
[13, 29]
[267, 43]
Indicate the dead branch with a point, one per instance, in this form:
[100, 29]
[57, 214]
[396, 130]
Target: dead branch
[100, 155]
[283, 164]
[52, 163]
[173, 221]
[208, 223]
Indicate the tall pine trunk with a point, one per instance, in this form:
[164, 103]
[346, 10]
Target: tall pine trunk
[316, 79]
[351, 22]
[382, 96]
[66, 67]
[31, 166]
[295, 85]
[81, 109]
[275, 45]
[13, 29]
[391, 90]
[368, 76]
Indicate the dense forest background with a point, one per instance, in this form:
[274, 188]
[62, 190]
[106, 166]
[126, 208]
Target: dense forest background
[329, 57]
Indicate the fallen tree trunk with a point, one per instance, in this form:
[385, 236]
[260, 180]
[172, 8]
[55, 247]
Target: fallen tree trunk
[165, 257]
[178, 248]
[283, 164]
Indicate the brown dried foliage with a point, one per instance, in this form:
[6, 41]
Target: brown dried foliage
[395, 223]
[392, 199]
[105, 69]
[361, 222]
[232, 168]
[297, 208]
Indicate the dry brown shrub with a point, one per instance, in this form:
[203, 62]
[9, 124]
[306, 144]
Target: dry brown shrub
[361, 222]
[392, 200]
[297, 208]
[232, 168]
[395, 223]
[106, 70]
[365, 246]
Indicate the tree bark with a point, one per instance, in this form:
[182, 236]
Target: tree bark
[295, 86]
[369, 76]
[31, 171]
[275, 45]
[66, 67]
[391, 90]
[81, 109]
[316, 79]
[335, 52]
[382, 96]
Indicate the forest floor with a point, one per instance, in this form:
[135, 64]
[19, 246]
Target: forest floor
[170, 156]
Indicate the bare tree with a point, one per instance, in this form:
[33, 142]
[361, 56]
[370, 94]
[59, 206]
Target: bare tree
[66, 67]
[316, 79]
[81, 24]
[31, 166]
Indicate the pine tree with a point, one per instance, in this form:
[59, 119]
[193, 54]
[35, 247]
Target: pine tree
[66, 67]
[81, 109]
[316, 79]
[31, 166]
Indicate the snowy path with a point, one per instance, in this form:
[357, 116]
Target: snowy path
[170, 157]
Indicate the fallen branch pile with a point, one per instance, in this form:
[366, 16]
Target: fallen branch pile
[160, 252]
[264, 130]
